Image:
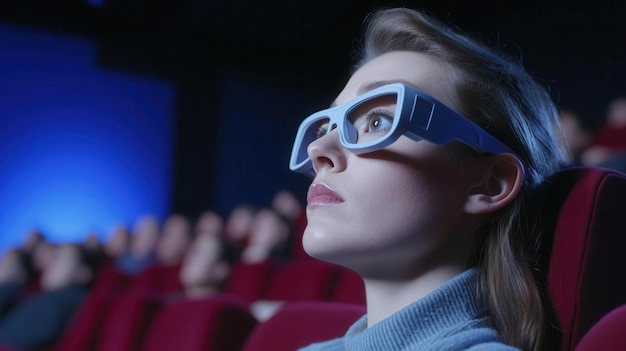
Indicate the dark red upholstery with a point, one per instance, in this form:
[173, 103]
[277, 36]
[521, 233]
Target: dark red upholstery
[127, 320]
[301, 323]
[302, 280]
[299, 224]
[609, 334]
[220, 322]
[587, 266]
[349, 287]
[163, 278]
[110, 278]
[82, 334]
[250, 281]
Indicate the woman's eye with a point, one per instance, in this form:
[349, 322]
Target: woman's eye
[376, 122]
[379, 124]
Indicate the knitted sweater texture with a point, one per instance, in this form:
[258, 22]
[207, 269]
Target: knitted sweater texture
[450, 318]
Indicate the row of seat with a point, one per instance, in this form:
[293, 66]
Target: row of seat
[148, 314]
[583, 221]
[302, 279]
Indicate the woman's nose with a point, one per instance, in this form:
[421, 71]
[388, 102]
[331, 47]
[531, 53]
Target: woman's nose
[327, 153]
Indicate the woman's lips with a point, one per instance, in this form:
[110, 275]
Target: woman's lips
[320, 194]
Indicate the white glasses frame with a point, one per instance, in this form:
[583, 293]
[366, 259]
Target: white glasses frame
[417, 116]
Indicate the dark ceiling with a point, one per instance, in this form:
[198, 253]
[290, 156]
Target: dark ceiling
[308, 44]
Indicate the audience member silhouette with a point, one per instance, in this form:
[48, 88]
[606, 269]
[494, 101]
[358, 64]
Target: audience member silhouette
[608, 148]
[238, 224]
[209, 222]
[33, 238]
[15, 273]
[575, 136]
[38, 321]
[162, 274]
[41, 256]
[286, 203]
[175, 238]
[207, 265]
[142, 246]
[270, 235]
[117, 244]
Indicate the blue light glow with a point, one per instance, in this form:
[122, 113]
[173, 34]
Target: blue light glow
[81, 148]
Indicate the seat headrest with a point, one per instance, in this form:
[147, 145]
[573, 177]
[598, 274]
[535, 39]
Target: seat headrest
[584, 208]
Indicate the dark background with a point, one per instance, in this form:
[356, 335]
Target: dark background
[294, 56]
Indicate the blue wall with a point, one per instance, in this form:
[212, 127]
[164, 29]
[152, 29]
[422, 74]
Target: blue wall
[258, 123]
[81, 148]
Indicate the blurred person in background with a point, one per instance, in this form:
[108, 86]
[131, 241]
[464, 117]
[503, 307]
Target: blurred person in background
[162, 273]
[576, 137]
[287, 204]
[33, 238]
[117, 244]
[608, 148]
[38, 321]
[15, 273]
[209, 222]
[269, 239]
[238, 224]
[41, 257]
[174, 240]
[207, 265]
[143, 242]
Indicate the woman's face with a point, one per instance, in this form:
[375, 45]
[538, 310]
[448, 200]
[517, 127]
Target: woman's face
[394, 209]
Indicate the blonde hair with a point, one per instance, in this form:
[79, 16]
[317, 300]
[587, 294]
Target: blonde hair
[498, 94]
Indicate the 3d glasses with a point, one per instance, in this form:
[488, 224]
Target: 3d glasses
[379, 117]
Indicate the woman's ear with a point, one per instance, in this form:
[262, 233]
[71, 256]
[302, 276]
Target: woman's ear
[503, 176]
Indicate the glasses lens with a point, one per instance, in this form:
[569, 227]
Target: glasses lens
[372, 119]
[313, 131]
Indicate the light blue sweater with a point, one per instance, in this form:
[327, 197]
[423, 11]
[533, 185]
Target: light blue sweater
[449, 318]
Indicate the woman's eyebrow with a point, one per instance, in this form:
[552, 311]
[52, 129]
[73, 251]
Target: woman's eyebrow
[368, 86]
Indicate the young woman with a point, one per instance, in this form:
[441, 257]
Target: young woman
[421, 168]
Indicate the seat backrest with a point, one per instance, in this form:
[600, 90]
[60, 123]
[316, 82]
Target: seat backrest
[109, 278]
[301, 323]
[349, 287]
[127, 319]
[84, 330]
[585, 208]
[162, 278]
[608, 334]
[219, 322]
[250, 281]
[302, 280]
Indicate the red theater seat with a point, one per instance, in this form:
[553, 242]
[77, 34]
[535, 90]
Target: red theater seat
[162, 278]
[109, 278]
[298, 324]
[127, 319]
[250, 281]
[609, 334]
[585, 208]
[349, 287]
[302, 280]
[219, 322]
[84, 330]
